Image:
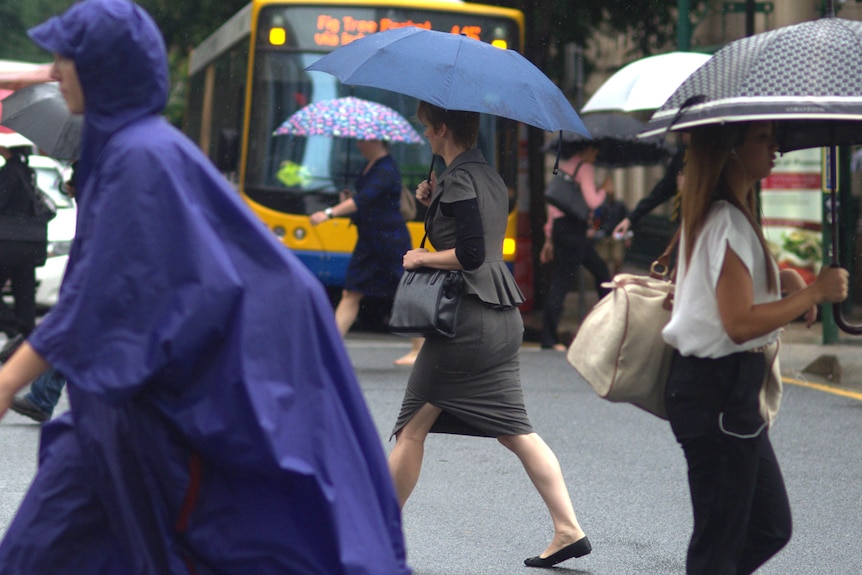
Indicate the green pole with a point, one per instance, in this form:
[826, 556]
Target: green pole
[683, 30]
[847, 217]
[829, 178]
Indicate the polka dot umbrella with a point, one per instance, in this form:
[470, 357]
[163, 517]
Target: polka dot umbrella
[805, 76]
[350, 117]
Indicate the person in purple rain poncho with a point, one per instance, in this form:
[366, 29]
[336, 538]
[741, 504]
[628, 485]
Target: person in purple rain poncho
[216, 425]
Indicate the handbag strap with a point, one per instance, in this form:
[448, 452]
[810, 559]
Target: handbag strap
[660, 268]
[432, 209]
[572, 178]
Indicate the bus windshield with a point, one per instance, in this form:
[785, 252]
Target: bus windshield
[295, 174]
[298, 174]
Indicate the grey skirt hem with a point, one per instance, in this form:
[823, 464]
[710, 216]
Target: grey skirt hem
[474, 377]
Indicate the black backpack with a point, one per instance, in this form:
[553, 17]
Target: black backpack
[24, 220]
[43, 208]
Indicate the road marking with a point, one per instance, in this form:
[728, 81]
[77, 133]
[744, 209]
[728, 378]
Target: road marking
[821, 387]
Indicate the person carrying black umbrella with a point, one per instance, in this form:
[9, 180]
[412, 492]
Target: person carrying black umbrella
[666, 189]
[19, 258]
[728, 306]
[567, 246]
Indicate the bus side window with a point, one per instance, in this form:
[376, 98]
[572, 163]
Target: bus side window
[227, 153]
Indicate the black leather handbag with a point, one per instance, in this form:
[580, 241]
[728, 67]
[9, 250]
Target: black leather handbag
[564, 193]
[426, 303]
[427, 300]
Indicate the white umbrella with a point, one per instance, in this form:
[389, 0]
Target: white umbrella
[14, 140]
[645, 84]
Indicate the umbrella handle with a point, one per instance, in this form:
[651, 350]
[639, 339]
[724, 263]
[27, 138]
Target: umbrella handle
[841, 321]
[837, 312]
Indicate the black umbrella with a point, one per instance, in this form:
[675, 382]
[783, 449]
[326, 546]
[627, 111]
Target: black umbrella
[806, 77]
[615, 135]
[39, 113]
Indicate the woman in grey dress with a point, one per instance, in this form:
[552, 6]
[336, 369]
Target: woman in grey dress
[470, 384]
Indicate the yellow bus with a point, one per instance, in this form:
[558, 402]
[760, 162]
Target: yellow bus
[249, 76]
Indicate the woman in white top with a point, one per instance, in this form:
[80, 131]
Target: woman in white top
[728, 305]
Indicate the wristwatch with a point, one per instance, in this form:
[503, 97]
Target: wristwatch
[328, 212]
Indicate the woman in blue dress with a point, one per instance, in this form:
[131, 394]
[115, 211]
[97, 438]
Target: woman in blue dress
[383, 239]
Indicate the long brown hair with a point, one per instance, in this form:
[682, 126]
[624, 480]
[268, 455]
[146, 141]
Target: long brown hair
[705, 181]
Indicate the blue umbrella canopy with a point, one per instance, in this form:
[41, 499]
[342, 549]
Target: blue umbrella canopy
[350, 117]
[805, 76]
[456, 73]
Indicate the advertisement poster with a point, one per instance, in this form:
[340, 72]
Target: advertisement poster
[792, 204]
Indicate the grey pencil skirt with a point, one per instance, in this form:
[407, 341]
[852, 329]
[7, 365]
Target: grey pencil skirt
[474, 377]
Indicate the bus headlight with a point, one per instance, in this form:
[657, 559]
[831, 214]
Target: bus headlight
[508, 246]
[279, 231]
[277, 36]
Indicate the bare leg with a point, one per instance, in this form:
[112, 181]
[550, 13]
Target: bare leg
[347, 310]
[410, 357]
[544, 471]
[405, 460]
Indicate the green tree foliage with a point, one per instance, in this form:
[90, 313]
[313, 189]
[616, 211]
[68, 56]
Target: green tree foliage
[16, 16]
[184, 23]
[649, 24]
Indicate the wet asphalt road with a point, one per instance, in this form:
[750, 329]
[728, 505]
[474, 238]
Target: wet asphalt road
[474, 511]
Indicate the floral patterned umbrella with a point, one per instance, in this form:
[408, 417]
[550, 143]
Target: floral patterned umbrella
[350, 118]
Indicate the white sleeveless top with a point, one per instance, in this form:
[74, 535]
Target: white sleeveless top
[695, 327]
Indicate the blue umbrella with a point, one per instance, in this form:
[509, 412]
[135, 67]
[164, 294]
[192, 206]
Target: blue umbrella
[456, 73]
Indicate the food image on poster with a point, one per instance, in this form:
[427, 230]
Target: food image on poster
[792, 212]
[800, 249]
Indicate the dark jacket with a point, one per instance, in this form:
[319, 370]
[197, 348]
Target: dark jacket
[15, 198]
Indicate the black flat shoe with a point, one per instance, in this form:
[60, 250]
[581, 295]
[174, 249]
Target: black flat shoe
[579, 548]
[23, 406]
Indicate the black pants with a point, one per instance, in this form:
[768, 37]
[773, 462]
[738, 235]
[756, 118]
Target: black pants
[23, 318]
[572, 249]
[741, 510]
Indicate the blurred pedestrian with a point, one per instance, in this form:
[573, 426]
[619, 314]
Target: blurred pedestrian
[23, 243]
[409, 358]
[44, 394]
[665, 190]
[611, 248]
[382, 236]
[216, 424]
[470, 384]
[567, 245]
[728, 305]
